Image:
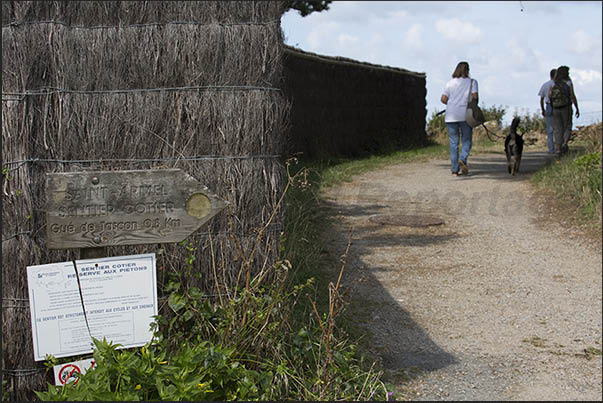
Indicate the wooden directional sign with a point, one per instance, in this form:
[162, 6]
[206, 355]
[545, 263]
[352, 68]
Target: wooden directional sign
[105, 208]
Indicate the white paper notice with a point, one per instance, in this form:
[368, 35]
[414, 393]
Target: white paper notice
[120, 298]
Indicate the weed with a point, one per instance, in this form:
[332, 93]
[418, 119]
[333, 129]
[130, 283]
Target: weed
[591, 352]
[535, 341]
[577, 180]
[249, 343]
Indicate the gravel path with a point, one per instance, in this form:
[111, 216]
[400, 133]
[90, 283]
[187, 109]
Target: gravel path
[499, 302]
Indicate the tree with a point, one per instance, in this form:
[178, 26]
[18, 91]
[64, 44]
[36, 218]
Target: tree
[308, 6]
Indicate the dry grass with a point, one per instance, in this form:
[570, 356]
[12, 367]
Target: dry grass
[93, 46]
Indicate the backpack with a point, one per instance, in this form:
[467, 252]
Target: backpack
[560, 95]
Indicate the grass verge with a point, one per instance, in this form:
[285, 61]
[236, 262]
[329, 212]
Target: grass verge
[329, 173]
[577, 177]
[306, 223]
[575, 180]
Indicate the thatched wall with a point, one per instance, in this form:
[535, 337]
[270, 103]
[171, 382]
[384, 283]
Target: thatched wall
[342, 107]
[112, 85]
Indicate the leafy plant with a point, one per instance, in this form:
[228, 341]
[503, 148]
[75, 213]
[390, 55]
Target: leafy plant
[494, 113]
[195, 371]
[530, 122]
[592, 160]
[249, 344]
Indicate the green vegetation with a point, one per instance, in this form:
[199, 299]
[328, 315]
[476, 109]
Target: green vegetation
[484, 142]
[274, 339]
[535, 341]
[333, 172]
[575, 180]
[306, 7]
[285, 336]
[436, 125]
[533, 122]
[591, 352]
[249, 348]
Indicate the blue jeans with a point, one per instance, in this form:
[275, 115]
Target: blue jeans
[464, 132]
[548, 117]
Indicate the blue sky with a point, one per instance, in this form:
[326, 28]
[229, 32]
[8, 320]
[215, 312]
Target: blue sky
[510, 51]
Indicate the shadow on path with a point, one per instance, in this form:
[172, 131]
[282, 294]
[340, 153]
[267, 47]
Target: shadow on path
[376, 255]
[408, 349]
[494, 166]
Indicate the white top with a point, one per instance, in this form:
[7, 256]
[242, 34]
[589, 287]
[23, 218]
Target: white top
[457, 92]
[545, 89]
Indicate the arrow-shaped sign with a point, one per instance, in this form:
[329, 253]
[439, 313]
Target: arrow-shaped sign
[106, 208]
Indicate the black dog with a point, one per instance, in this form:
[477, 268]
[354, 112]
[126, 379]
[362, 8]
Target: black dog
[513, 147]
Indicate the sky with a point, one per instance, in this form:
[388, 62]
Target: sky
[511, 46]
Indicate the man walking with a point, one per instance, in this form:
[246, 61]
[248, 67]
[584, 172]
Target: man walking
[547, 110]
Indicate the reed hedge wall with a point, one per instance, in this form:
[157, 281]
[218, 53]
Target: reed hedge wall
[345, 108]
[115, 85]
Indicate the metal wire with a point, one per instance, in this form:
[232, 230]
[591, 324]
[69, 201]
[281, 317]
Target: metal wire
[18, 96]
[150, 24]
[20, 163]
[22, 372]
[17, 234]
[15, 302]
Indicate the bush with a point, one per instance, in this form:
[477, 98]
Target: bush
[193, 372]
[578, 177]
[251, 344]
[591, 137]
[494, 113]
[254, 352]
[436, 124]
[528, 123]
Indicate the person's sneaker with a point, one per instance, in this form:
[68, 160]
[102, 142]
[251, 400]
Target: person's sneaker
[464, 169]
[455, 173]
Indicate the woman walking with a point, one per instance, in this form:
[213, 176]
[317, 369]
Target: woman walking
[456, 97]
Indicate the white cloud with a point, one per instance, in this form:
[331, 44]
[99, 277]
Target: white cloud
[584, 77]
[346, 41]
[455, 30]
[414, 37]
[389, 17]
[320, 34]
[510, 51]
[376, 39]
[581, 42]
[397, 15]
[521, 58]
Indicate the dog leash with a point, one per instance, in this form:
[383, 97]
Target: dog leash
[488, 133]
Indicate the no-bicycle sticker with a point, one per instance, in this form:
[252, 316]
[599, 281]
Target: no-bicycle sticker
[69, 373]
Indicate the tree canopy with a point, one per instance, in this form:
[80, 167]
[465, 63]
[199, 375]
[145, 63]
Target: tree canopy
[306, 7]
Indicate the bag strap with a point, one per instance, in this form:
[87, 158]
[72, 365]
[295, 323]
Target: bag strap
[566, 89]
[470, 86]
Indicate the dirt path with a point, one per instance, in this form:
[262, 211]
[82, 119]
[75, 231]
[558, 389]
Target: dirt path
[497, 303]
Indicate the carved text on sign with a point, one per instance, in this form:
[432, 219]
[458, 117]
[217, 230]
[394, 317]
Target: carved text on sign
[102, 208]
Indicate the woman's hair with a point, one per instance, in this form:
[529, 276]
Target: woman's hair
[462, 70]
[562, 73]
